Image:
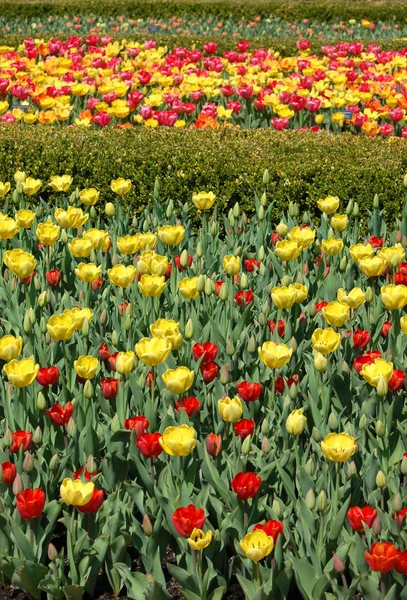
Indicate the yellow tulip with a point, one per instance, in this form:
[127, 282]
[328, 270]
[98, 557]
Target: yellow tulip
[178, 380]
[21, 373]
[171, 235]
[178, 441]
[325, 341]
[359, 252]
[61, 327]
[332, 246]
[374, 372]
[231, 264]
[71, 218]
[25, 218]
[168, 330]
[340, 223]
[10, 347]
[80, 247]
[372, 267]
[19, 262]
[88, 272]
[89, 196]
[275, 356]
[393, 296]
[4, 188]
[153, 351]
[198, 540]
[230, 409]
[129, 244]
[100, 239]
[355, 298]
[48, 233]
[295, 423]
[328, 205]
[203, 200]
[302, 293]
[76, 493]
[121, 275]
[320, 362]
[86, 366]
[8, 228]
[147, 240]
[304, 236]
[125, 362]
[61, 183]
[339, 447]
[31, 186]
[110, 209]
[120, 186]
[284, 296]
[335, 313]
[257, 545]
[392, 256]
[187, 287]
[152, 285]
[79, 315]
[20, 176]
[287, 250]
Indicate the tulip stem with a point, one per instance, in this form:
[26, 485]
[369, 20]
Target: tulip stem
[193, 555]
[31, 534]
[382, 586]
[245, 515]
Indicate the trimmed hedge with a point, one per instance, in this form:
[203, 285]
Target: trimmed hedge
[303, 166]
[321, 10]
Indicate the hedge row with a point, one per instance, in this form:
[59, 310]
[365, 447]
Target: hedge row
[303, 166]
[321, 10]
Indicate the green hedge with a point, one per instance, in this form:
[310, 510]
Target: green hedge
[322, 10]
[303, 166]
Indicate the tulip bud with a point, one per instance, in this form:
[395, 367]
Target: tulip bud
[246, 445]
[351, 470]
[316, 435]
[147, 526]
[244, 282]
[376, 201]
[404, 241]
[376, 526]
[292, 343]
[41, 402]
[27, 324]
[8, 438]
[200, 284]
[28, 463]
[88, 390]
[355, 212]
[261, 213]
[127, 321]
[266, 177]
[349, 208]
[115, 338]
[262, 319]
[312, 311]
[261, 253]
[214, 229]
[338, 564]
[42, 298]
[310, 499]
[251, 345]
[263, 201]
[224, 375]
[320, 362]
[199, 250]
[239, 251]
[343, 263]
[189, 330]
[170, 210]
[265, 428]
[397, 503]
[91, 465]
[381, 480]
[265, 445]
[43, 325]
[380, 429]
[382, 387]
[286, 280]
[37, 436]
[322, 502]
[54, 462]
[345, 368]
[236, 210]
[372, 319]
[52, 552]
[333, 422]
[37, 284]
[293, 391]
[310, 466]
[276, 508]
[369, 294]
[363, 421]
[213, 444]
[223, 293]
[405, 180]
[403, 466]
[71, 427]
[17, 485]
[231, 219]
[230, 348]
[110, 209]
[64, 236]
[209, 287]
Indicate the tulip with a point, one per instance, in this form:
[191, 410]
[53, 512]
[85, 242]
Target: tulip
[295, 423]
[171, 235]
[87, 366]
[88, 272]
[332, 246]
[152, 285]
[284, 297]
[140, 424]
[339, 223]
[25, 218]
[392, 256]
[153, 351]
[10, 347]
[203, 200]
[287, 250]
[400, 564]
[257, 545]
[207, 352]
[99, 238]
[244, 428]
[303, 236]
[21, 439]
[275, 356]
[372, 267]
[246, 485]
[94, 503]
[149, 444]
[358, 516]
[75, 492]
[231, 264]
[198, 540]
[328, 205]
[213, 444]
[120, 186]
[339, 447]
[381, 557]
[188, 518]
[230, 409]
[187, 287]
[325, 341]
[48, 233]
[9, 472]
[336, 314]
[20, 263]
[178, 441]
[21, 373]
[73, 217]
[169, 330]
[360, 252]
[125, 362]
[80, 247]
[377, 370]
[89, 196]
[355, 298]
[31, 186]
[271, 528]
[301, 293]
[147, 240]
[191, 405]
[30, 503]
[121, 275]
[61, 327]
[53, 277]
[109, 387]
[393, 296]
[4, 188]
[360, 339]
[61, 184]
[80, 316]
[59, 415]
[209, 372]
[129, 244]
[8, 228]
[249, 392]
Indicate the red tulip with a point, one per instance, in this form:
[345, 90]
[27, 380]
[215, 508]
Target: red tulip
[360, 338]
[244, 428]
[82, 471]
[150, 380]
[382, 557]
[53, 277]
[30, 503]
[207, 351]
[103, 352]
[244, 297]
[399, 516]
[177, 260]
[109, 387]
[272, 528]
[9, 472]
[397, 380]
[386, 328]
[250, 264]
[357, 516]
[281, 382]
[320, 305]
[168, 272]
[140, 424]
[94, 503]
[112, 361]
[187, 518]
[123, 306]
[213, 444]
[218, 285]
[249, 392]
[47, 376]
[59, 415]
[246, 485]
[376, 242]
[97, 285]
[149, 444]
[209, 372]
[366, 359]
[280, 328]
[275, 237]
[210, 47]
[191, 405]
[401, 563]
[20, 439]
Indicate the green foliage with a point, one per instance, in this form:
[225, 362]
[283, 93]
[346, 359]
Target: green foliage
[303, 166]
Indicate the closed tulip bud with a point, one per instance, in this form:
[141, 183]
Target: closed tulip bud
[244, 282]
[369, 294]
[343, 263]
[261, 253]
[376, 526]
[316, 435]
[310, 466]
[170, 210]
[17, 485]
[64, 236]
[403, 466]
[376, 201]
[265, 445]
[27, 326]
[185, 207]
[355, 212]
[85, 328]
[42, 299]
[380, 429]
[236, 210]
[261, 214]
[224, 377]
[372, 319]
[286, 281]
[265, 428]
[103, 317]
[349, 208]
[88, 390]
[266, 177]
[397, 503]
[363, 421]
[330, 233]
[52, 552]
[239, 251]
[199, 250]
[231, 219]
[351, 470]
[230, 349]
[110, 209]
[223, 293]
[266, 307]
[93, 212]
[71, 427]
[291, 209]
[292, 343]
[251, 345]
[263, 200]
[147, 525]
[276, 507]
[320, 362]
[28, 463]
[293, 391]
[286, 402]
[209, 287]
[333, 422]
[382, 387]
[310, 499]
[345, 368]
[54, 462]
[37, 437]
[405, 180]
[214, 229]
[8, 438]
[200, 284]
[115, 338]
[43, 325]
[91, 465]
[246, 445]
[381, 480]
[338, 564]
[41, 402]
[127, 322]
[37, 284]
[262, 319]
[189, 330]
[322, 502]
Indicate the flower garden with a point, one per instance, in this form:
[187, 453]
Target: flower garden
[203, 300]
